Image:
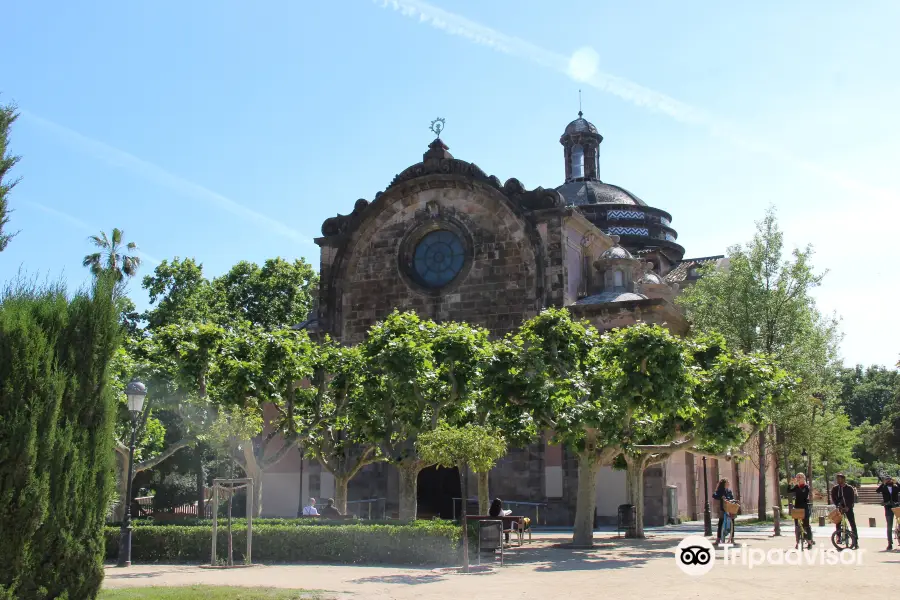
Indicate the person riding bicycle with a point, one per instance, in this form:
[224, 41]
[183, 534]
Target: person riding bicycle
[802, 499]
[844, 496]
[723, 492]
[890, 493]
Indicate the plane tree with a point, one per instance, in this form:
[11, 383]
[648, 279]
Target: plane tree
[417, 373]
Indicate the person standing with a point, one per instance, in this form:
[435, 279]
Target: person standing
[890, 494]
[310, 509]
[844, 497]
[802, 494]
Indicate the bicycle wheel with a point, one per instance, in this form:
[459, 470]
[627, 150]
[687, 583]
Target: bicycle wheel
[798, 532]
[843, 539]
[728, 534]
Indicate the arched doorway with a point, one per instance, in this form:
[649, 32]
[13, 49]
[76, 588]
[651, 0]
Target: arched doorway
[437, 487]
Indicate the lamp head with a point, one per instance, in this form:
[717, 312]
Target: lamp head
[135, 391]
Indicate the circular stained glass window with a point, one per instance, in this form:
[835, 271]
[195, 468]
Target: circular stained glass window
[438, 258]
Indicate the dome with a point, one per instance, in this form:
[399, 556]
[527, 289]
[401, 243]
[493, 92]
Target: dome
[651, 277]
[578, 193]
[606, 297]
[616, 252]
[580, 125]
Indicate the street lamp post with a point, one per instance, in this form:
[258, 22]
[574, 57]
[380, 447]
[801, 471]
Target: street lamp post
[707, 517]
[135, 391]
[808, 459]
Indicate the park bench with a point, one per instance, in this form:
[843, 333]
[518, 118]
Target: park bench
[512, 524]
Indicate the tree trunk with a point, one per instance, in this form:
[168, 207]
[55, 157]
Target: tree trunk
[409, 475]
[484, 496]
[464, 476]
[762, 474]
[252, 469]
[463, 487]
[201, 482]
[635, 489]
[736, 474]
[341, 483]
[121, 486]
[586, 502]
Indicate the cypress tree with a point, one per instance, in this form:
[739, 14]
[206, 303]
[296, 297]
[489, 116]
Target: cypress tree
[56, 429]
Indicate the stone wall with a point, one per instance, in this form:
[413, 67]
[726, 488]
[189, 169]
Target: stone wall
[501, 284]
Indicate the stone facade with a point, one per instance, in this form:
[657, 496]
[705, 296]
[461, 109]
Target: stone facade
[449, 242]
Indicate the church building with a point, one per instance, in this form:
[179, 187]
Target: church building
[450, 242]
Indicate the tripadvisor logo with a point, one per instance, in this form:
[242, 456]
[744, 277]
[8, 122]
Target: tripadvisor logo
[695, 556]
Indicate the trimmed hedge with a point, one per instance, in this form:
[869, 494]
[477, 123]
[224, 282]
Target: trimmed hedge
[306, 521]
[419, 543]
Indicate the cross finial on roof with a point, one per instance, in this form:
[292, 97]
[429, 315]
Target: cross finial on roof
[579, 104]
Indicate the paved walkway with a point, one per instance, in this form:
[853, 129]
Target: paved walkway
[625, 569]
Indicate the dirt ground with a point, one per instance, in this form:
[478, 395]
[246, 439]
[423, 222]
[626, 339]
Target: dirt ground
[626, 569]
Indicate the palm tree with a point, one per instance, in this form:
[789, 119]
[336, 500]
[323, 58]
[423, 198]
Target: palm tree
[112, 256]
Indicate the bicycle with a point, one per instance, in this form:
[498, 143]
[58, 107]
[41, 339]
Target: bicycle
[843, 538]
[895, 508]
[728, 521]
[800, 533]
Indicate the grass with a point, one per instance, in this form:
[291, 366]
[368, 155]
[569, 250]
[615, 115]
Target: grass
[206, 592]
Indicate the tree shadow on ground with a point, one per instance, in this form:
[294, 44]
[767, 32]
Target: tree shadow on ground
[607, 553]
[401, 579]
[114, 575]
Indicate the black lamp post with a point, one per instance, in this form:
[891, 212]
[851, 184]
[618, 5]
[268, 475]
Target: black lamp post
[135, 391]
[808, 459]
[707, 517]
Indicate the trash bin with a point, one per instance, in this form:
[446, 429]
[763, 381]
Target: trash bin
[625, 520]
[672, 504]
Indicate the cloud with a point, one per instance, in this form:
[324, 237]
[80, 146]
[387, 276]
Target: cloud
[156, 174]
[583, 66]
[79, 224]
[74, 221]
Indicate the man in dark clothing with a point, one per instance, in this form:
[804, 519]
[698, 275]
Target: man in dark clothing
[331, 510]
[844, 496]
[890, 494]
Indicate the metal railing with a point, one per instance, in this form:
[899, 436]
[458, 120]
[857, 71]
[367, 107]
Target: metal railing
[369, 502]
[507, 504]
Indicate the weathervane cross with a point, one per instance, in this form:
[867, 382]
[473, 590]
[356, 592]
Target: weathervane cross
[437, 126]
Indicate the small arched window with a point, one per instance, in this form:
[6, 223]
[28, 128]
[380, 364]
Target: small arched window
[618, 280]
[577, 161]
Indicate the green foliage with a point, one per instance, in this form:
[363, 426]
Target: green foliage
[112, 257]
[173, 490]
[8, 116]
[277, 295]
[57, 411]
[869, 394]
[211, 592]
[547, 369]
[417, 373]
[477, 446]
[180, 292]
[420, 543]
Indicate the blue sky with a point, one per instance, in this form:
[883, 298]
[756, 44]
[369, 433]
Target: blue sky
[229, 130]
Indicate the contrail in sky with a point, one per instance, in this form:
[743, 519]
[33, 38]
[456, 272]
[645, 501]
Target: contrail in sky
[79, 224]
[583, 66]
[158, 175]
